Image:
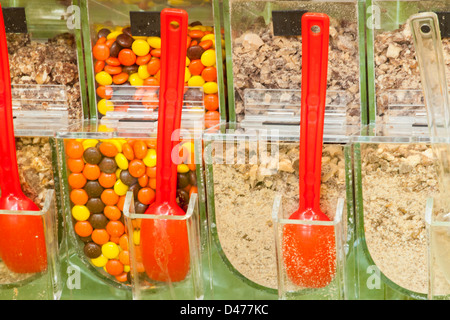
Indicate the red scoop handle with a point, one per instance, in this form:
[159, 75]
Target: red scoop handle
[9, 175]
[315, 39]
[174, 25]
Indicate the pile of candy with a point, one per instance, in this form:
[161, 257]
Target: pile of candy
[101, 172]
[125, 60]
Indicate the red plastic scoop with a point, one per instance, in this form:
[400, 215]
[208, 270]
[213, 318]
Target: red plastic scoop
[22, 239]
[309, 250]
[164, 243]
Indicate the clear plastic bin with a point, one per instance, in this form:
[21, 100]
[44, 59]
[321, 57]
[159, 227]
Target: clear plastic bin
[101, 199]
[246, 169]
[45, 285]
[110, 18]
[395, 94]
[263, 48]
[394, 175]
[46, 61]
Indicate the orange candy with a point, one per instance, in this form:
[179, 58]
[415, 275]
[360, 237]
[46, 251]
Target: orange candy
[79, 197]
[127, 57]
[151, 81]
[140, 149]
[74, 149]
[153, 66]
[104, 92]
[100, 236]
[143, 180]
[121, 202]
[194, 189]
[151, 172]
[156, 53]
[212, 118]
[109, 197]
[151, 143]
[206, 44]
[123, 277]
[127, 151]
[152, 183]
[107, 180]
[99, 65]
[141, 61]
[146, 196]
[115, 228]
[83, 228]
[101, 51]
[112, 213]
[209, 74]
[123, 241]
[211, 102]
[91, 171]
[136, 168]
[113, 62]
[75, 165]
[120, 78]
[113, 70]
[196, 67]
[108, 149]
[114, 267]
[77, 180]
[196, 34]
[124, 257]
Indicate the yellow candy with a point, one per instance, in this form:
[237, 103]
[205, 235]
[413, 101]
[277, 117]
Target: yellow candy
[135, 80]
[117, 143]
[208, 58]
[136, 237]
[118, 171]
[113, 35]
[120, 188]
[187, 75]
[100, 261]
[105, 106]
[188, 61]
[154, 42]
[88, 143]
[196, 81]
[209, 36]
[210, 88]
[143, 72]
[104, 128]
[126, 268]
[122, 161]
[150, 158]
[182, 168]
[103, 78]
[110, 250]
[140, 47]
[80, 213]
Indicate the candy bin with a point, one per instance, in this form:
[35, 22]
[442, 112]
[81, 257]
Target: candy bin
[37, 167]
[126, 55]
[394, 84]
[394, 176]
[46, 61]
[252, 183]
[101, 165]
[263, 48]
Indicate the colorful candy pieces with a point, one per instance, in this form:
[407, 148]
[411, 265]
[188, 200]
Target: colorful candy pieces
[122, 59]
[101, 172]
